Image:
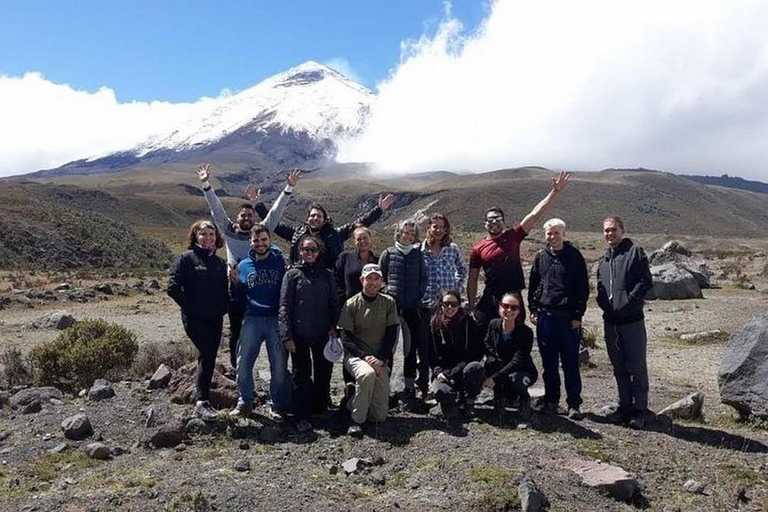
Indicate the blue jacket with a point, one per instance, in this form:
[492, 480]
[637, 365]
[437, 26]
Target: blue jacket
[258, 283]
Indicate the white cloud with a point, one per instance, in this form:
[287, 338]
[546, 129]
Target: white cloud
[672, 85]
[45, 124]
[343, 66]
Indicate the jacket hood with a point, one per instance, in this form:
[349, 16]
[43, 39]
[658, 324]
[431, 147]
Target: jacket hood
[623, 246]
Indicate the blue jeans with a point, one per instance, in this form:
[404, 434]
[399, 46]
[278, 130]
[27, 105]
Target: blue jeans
[558, 342]
[255, 330]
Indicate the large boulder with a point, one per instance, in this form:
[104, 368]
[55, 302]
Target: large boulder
[56, 320]
[77, 427]
[675, 252]
[29, 395]
[610, 480]
[743, 374]
[673, 281]
[223, 390]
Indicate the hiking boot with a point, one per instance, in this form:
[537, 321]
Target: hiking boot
[637, 421]
[205, 411]
[276, 415]
[617, 416]
[575, 414]
[241, 410]
[355, 430]
[549, 409]
[303, 426]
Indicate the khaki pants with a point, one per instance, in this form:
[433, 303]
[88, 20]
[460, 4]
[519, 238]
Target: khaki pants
[371, 400]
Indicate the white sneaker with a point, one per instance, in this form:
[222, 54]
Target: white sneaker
[241, 410]
[205, 411]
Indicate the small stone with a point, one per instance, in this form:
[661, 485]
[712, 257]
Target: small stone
[166, 436]
[181, 447]
[59, 448]
[151, 419]
[98, 451]
[32, 407]
[117, 451]
[242, 465]
[610, 480]
[531, 498]
[694, 486]
[688, 408]
[161, 377]
[334, 469]
[82, 393]
[355, 464]
[377, 477]
[101, 390]
[77, 427]
[62, 287]
[243, 445]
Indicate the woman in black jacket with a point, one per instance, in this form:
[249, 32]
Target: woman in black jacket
[405, 273]
[455, 356]
[198, 284]
[309, 311]
[508, 362]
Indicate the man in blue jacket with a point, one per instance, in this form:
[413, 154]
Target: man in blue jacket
[259, 278]
[623, 279]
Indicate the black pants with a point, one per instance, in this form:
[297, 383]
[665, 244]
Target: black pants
[310, 396]
[206, 337]
[469, 382]
[236, 314]
[559, 343]
[513, 385]
[488, 308]
[417, 327]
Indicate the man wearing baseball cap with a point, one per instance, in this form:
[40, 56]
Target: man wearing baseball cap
[368, 329]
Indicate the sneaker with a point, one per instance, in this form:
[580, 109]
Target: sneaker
[575, 414]
[637, 421]
[303, 426]
[355, 430]
[205, 411]
[276, 415]
[618, 416]
[241, 410]
[549, 409]
[428, 398]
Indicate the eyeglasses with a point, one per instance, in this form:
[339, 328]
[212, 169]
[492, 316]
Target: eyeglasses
[509, 307]
[311, 250]
[494, 219]
[450, 304]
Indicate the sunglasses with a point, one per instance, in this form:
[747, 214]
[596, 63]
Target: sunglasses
[493, 220]
[311, 250]
[509, 307]
[450, 304]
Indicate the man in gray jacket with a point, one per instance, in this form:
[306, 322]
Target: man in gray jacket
[237, 236]
[623, 279]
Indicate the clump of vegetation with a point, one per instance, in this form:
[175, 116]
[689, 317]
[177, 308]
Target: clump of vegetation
[90, 350]
[189, 502]
[496, 486]
[589, 337]
[16, 370]
[152, 354]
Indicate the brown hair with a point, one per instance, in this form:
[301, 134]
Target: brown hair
[319, 243]
[615, 219]
[202, 224]
[446, 241]
[520, 320]
[259, 228]
[438, 318]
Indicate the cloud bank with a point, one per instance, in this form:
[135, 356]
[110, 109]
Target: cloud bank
[671, 85]
[45, 124]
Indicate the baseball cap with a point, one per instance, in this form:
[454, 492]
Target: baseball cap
[371, 268]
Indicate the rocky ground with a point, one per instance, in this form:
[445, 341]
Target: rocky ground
[411, 462]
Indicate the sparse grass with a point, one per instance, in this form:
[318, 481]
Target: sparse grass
[188, 502]
[592, 449]
[49, 467]
[495, 487]
[16, 369]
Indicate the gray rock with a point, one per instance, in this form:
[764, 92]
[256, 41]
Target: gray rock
[672, 281]
[151, 417]
[98, 451]
[702, 336]
[62, 287]
[166, 436]
[531, 498]
[688, 408]
[28, 395]
[161, 377]
[59, 448]
[675, 252]
[355, 464]
[5, 399]
[101, 390]
[77, 427]
[694, 487]
[377, 477]
[104, 288]
[610, 480]
[32, 407]
[56, 320]
[743, 369]
[242, 465]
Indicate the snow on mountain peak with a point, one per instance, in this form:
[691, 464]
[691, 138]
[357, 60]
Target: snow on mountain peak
[309, 98]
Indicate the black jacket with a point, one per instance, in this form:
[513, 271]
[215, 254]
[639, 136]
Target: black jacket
[198, 283]
[455, 345]
[623, 279]
[406, 276]
[309, 305]
[348, 270]
[333, 238]
[502, 359]
[559, 282]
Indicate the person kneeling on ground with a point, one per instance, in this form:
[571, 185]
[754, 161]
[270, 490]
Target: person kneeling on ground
[508, 361]
[455, 356]
[368, 329]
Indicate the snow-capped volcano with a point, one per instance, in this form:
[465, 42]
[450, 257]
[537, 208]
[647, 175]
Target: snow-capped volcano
[310, 98]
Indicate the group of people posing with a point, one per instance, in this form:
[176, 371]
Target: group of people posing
[322, 303]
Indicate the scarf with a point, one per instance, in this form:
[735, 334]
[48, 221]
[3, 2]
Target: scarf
[405, 249]
[209, 249]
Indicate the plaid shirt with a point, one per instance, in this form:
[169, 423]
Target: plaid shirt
[447, 271]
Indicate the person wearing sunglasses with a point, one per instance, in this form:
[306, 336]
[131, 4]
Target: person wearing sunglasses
[498, 255]
[456, 352]
[508, 362]
[309, 310]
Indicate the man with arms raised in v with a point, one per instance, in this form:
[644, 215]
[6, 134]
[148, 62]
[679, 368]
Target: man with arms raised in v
[499, 256]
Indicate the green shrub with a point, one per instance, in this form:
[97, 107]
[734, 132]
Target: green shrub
[15, 369]
[154, 353]
[90, 350]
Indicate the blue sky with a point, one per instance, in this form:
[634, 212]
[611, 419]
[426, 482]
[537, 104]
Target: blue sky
[174, 50]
